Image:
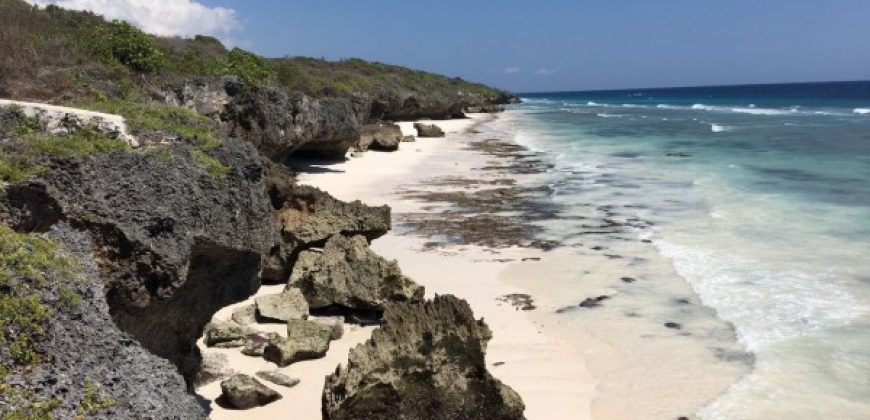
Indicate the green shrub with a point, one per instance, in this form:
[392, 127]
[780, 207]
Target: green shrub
[251, 68]
[131, 47]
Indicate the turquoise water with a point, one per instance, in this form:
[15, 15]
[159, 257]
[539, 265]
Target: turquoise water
[760, 197]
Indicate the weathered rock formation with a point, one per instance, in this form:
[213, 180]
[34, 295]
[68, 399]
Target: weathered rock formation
[425, 362]
[87, 356]
[307, 217]
[226, 334]
[383, 137]
[173, 242]
[282, 307]
[348, 274]
[278, 378]
[214, 367]
[305, 340]
[244, 392]
[428, 130]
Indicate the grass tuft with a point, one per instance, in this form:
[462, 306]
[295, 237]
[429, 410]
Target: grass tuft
[211, 164]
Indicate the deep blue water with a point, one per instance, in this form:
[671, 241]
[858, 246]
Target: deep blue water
[761, 198]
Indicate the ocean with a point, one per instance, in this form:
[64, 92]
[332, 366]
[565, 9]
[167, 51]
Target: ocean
[759, 198]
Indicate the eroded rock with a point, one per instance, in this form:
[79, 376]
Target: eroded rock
[305, 340]
[383, 137]
[428, 130]
[245, 315]
[282, 307]
[244, 392]
[214, 367]
[425, 362]
[308, 217]
[336, 323]
[217, 333]
[349, 274]
[255, 344]
[278, 378]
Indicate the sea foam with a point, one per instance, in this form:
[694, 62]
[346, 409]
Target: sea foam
[861, 111]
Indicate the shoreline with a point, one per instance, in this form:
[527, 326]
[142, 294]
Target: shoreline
[579, 367]
[548, 373]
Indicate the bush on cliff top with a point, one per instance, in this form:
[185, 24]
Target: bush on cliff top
[52, 52]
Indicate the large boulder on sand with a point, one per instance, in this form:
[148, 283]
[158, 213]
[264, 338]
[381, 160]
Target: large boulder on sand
[225, 334]
[347, 273]
[305, 340]
[428, 130]
[244, 392]
[384, 137]
[425, 362]
[282, 307]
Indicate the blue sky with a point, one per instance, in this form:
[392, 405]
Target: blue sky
[563, 44]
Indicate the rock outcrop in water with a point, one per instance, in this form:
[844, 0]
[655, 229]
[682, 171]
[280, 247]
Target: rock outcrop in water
[425, 362]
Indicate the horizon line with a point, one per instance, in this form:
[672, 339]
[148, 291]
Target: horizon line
[690, 87]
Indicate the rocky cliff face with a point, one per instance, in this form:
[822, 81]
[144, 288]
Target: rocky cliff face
[425, 362]
[92, 369]
[173, 242]
[282, 124]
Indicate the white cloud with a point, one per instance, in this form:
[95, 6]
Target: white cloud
[512, 70]
[546, 71]
[160, 17]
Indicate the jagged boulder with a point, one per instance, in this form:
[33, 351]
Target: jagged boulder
[282, 307]
[383, 137]
[349, 274]
[308, 217]
[174, 243]
[425, 362]
[428, 130]
[305, 340]
[244, 392]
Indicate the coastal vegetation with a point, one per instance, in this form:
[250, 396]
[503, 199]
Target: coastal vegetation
[30, 148]
[51, 53]
[30, 267]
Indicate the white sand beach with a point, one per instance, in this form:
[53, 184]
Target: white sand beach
[601, 365]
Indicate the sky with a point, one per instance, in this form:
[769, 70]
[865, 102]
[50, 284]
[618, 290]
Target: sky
[543, 45]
